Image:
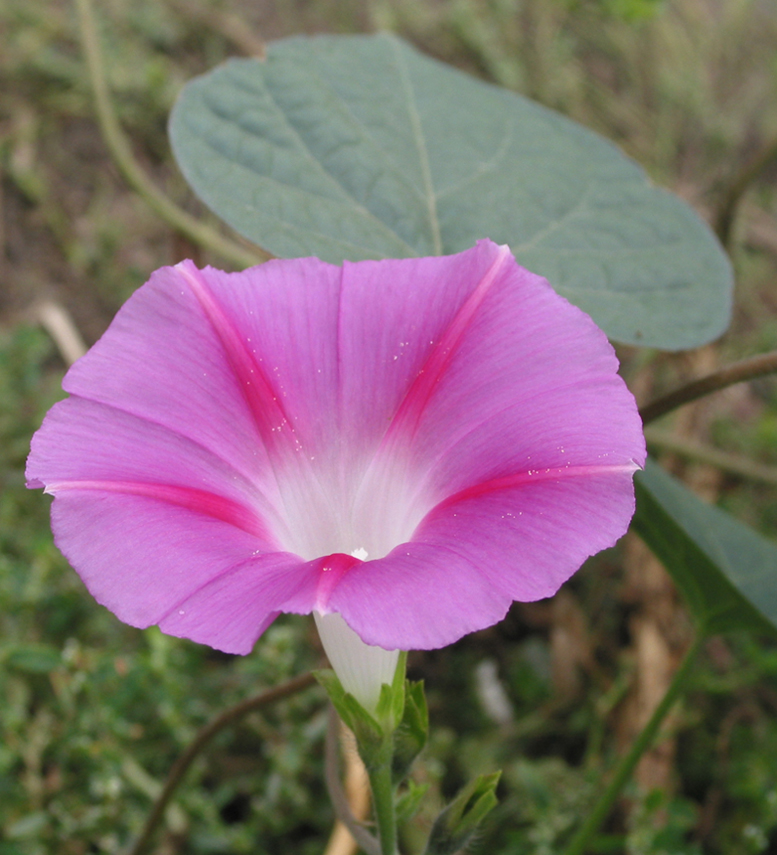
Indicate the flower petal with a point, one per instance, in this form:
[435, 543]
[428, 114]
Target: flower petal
[144, 557]
[472, 557]
[161, 361]
[531, 384]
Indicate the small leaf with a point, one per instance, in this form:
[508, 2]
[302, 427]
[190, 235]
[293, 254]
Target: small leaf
[354, 147]
[456, 825]
[725, 570]
[409, 803]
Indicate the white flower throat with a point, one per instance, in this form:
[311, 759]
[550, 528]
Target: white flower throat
[361, 668]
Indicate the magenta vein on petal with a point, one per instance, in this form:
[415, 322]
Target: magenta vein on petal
[533, 476]
[199, 501]
[263, 401]
[412, 407]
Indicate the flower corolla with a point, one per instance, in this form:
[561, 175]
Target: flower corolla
[409, 444]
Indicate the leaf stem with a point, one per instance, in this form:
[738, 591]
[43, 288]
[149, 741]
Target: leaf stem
[206, 734]
[121, 152]
[737, 372]
[628, 763]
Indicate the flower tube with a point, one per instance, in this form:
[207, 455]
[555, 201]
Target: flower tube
[409, 444]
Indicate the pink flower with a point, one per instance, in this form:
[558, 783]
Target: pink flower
[411, 444]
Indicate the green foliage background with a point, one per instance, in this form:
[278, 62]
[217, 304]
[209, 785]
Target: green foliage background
[93, 713]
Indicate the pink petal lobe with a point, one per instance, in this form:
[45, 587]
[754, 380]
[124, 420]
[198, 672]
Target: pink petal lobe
[473, 555]
[400, 322]
[532, 386]
[161, 362]
[148, 557]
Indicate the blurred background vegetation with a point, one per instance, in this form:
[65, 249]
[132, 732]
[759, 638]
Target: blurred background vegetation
[93, 713]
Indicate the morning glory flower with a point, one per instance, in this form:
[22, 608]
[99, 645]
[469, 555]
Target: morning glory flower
[402, 447]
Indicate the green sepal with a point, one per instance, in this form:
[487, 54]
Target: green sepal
[373, 743]
[409, 803]
[413, 731]
[391, 703]
[348, 708]
[454, 827]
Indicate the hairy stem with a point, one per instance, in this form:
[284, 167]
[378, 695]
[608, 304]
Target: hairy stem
[383, 801]
[137, 179]
[737, 372]
[628, 763]
[206, 734]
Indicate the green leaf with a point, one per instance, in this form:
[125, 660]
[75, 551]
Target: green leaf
[354, 147]
[409, 803]
[457, 824]
[726, 571]
[33, 658]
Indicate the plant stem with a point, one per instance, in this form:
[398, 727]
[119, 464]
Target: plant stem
[737, 372]
[336, 792]
[121, 151]
[231, 26]
[734, 464]
[724, 219]
[628, 763]
[383, 802]
[185, 760]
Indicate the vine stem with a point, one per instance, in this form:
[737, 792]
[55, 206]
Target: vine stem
[734, 464]
[737, 372]
[121, 152]
[724, 221]
[383, 803]
[336, 792]
[206, 734]
[627, 764]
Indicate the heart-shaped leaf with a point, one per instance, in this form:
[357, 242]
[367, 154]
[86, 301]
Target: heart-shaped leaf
[726, 572]
[353, 147]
